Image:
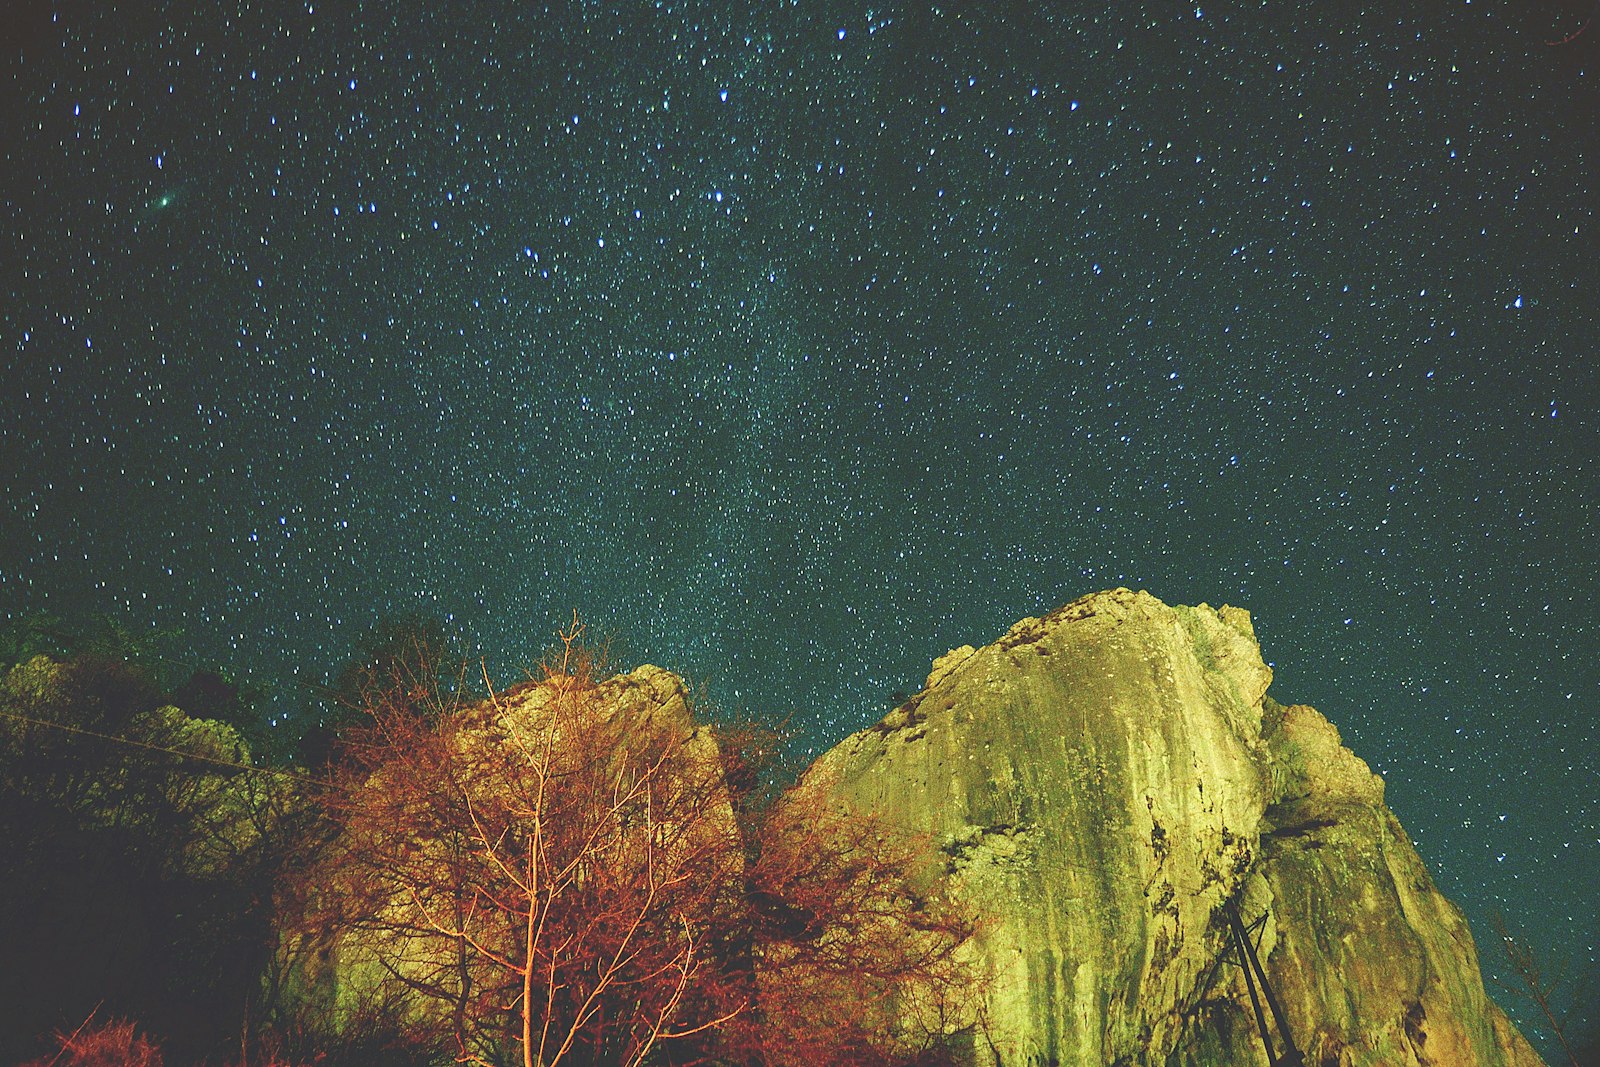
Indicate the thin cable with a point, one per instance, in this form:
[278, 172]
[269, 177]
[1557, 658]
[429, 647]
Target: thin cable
[159, 748]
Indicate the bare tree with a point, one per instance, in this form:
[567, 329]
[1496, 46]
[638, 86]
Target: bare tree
[1542, 988]
[552, 878]
[550, 872]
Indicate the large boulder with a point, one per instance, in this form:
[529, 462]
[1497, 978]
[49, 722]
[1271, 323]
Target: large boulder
[1102, 786]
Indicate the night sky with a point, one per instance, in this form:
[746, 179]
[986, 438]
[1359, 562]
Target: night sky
[800, 342]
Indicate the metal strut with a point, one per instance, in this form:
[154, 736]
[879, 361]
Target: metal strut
[1254, 974]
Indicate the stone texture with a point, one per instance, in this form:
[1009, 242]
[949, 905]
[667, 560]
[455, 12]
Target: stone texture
[1099, 783]
[1373, 964]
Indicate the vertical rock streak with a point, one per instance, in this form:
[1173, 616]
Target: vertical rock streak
[1099, 784]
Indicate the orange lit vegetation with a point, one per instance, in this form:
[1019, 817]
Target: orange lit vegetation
[544, 878]
[543, 872]
[855, 965]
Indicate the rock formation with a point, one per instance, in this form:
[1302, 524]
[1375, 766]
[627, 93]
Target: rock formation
[1101, 786]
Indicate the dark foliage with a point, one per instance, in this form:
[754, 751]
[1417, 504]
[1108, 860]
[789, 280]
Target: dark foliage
[138, 870]
[407, 662]
[681, 907]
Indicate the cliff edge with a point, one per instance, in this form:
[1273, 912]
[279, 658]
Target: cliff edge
[1102, 786]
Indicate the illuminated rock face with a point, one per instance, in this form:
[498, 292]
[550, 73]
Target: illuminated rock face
[1098, 784]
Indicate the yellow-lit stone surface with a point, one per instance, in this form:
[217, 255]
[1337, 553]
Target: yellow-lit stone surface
[1098, 783]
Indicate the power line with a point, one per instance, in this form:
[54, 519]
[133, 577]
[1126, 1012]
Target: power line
[235, 765]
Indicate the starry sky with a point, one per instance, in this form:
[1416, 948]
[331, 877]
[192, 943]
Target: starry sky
[800, 342]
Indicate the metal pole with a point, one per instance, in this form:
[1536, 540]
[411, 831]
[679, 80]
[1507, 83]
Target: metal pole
[1239, 940]
[1292, 1055]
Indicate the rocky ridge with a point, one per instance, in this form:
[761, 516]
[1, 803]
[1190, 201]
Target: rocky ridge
[1101, 785]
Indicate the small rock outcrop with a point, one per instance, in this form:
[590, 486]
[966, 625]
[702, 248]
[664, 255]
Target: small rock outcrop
[1101, 785]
